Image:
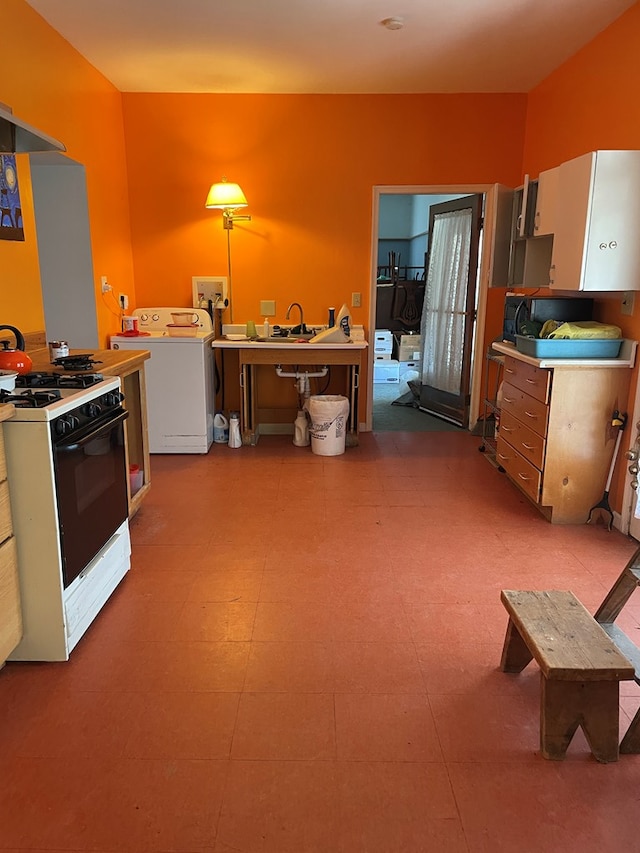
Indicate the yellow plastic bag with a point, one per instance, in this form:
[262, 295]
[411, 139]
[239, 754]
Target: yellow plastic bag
[587, 330]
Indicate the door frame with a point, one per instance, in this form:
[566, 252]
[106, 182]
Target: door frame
[484, 275]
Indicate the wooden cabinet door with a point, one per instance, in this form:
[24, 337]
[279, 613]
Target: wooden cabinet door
[598, 219]
[545, 215]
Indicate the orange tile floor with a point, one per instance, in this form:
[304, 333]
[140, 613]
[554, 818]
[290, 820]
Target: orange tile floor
[304, 658]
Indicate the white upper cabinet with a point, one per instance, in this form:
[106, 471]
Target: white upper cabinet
[544, 217]
[596, 242]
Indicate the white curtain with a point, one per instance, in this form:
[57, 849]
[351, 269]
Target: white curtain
[445, 296]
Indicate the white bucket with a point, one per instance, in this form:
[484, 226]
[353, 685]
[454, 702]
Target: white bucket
[328, 429]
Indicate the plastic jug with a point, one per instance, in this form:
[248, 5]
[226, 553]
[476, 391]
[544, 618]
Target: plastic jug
[301, 430]
[235, 439]
[220, 428]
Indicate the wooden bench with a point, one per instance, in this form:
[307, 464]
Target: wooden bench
[580, 669]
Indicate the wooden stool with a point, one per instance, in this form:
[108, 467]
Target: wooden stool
[580, 669]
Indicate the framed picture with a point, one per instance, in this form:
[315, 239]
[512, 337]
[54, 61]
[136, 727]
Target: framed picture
[11, 225]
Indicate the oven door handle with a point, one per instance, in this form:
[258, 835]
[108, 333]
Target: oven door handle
[96, 433]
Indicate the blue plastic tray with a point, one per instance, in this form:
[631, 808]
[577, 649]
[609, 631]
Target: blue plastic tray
[550, 348]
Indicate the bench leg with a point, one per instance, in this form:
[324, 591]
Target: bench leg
[631, 741]
[565, 705]
[515, 654]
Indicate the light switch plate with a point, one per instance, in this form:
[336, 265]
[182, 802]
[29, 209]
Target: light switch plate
[267, 307]
[356, 300]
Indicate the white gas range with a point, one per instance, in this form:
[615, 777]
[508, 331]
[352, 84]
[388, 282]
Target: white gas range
[68, 487]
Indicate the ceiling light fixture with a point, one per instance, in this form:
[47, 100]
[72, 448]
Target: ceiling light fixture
[394, 23]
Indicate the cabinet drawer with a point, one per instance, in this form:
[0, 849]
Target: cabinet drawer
[523, 473]
[533, 380]
[529, 411]
[523, 439]
[10, 612]
[6, 526]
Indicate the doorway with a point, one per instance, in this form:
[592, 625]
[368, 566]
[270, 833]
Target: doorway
[400, 255]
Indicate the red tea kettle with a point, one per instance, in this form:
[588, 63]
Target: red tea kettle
[14, 359]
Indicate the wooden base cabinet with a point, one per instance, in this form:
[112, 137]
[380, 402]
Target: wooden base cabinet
[555, 440]
[10, 608]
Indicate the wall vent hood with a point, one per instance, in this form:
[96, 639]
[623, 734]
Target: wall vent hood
[18, 137]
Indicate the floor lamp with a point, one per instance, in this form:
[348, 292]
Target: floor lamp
[228, 198]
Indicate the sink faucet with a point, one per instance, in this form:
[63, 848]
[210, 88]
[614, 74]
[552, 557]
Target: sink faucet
[293, 305]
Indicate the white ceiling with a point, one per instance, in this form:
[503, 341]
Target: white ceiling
[327, 46]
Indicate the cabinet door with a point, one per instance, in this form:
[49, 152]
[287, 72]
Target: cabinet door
[573, 206]
[544, 219]
[598, 217]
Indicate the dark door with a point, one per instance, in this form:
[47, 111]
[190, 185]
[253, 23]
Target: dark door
[449, 308]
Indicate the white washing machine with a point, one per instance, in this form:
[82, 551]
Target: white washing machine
[179, 379]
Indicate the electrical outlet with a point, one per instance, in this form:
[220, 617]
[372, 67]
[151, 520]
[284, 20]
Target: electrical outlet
[267, 307]
[106, 287]
[123, 299]
[628, 300]
[356, 300]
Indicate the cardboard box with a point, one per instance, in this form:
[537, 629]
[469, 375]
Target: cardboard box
[386, 371]
[409, 353]
[414, 341]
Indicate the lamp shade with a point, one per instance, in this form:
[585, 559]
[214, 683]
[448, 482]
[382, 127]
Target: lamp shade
[224, 195]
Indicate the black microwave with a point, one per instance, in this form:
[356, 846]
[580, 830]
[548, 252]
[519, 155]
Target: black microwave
[522, 309]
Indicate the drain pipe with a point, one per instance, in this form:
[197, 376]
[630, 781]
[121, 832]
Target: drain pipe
[318, 375]
[302, 379]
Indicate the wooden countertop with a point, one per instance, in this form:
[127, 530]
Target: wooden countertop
[6, 411]
[113, 362]
[625, 359]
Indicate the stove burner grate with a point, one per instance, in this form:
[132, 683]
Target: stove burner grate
[30, 399]
[57, 380]
[80, 361]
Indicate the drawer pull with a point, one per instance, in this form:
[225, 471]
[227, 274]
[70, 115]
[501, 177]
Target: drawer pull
[531, 415]
[502, 456]
[524, 477]
[507, 399]
[528, 446]
[532, 381]
[507, 429]
[508, 370]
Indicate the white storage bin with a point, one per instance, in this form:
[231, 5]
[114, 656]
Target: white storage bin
[409, 370]
[382, 341]
[381, 356]
[386, 371]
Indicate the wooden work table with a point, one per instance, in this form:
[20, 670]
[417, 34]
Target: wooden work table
[129, 366]
[252, 354]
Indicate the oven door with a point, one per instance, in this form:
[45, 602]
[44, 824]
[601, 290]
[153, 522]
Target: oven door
[91, 489]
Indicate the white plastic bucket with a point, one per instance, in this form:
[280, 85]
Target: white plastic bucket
[328, 429]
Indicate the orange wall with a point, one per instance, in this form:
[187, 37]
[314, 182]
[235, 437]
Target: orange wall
[308, 165]
[51, 86]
